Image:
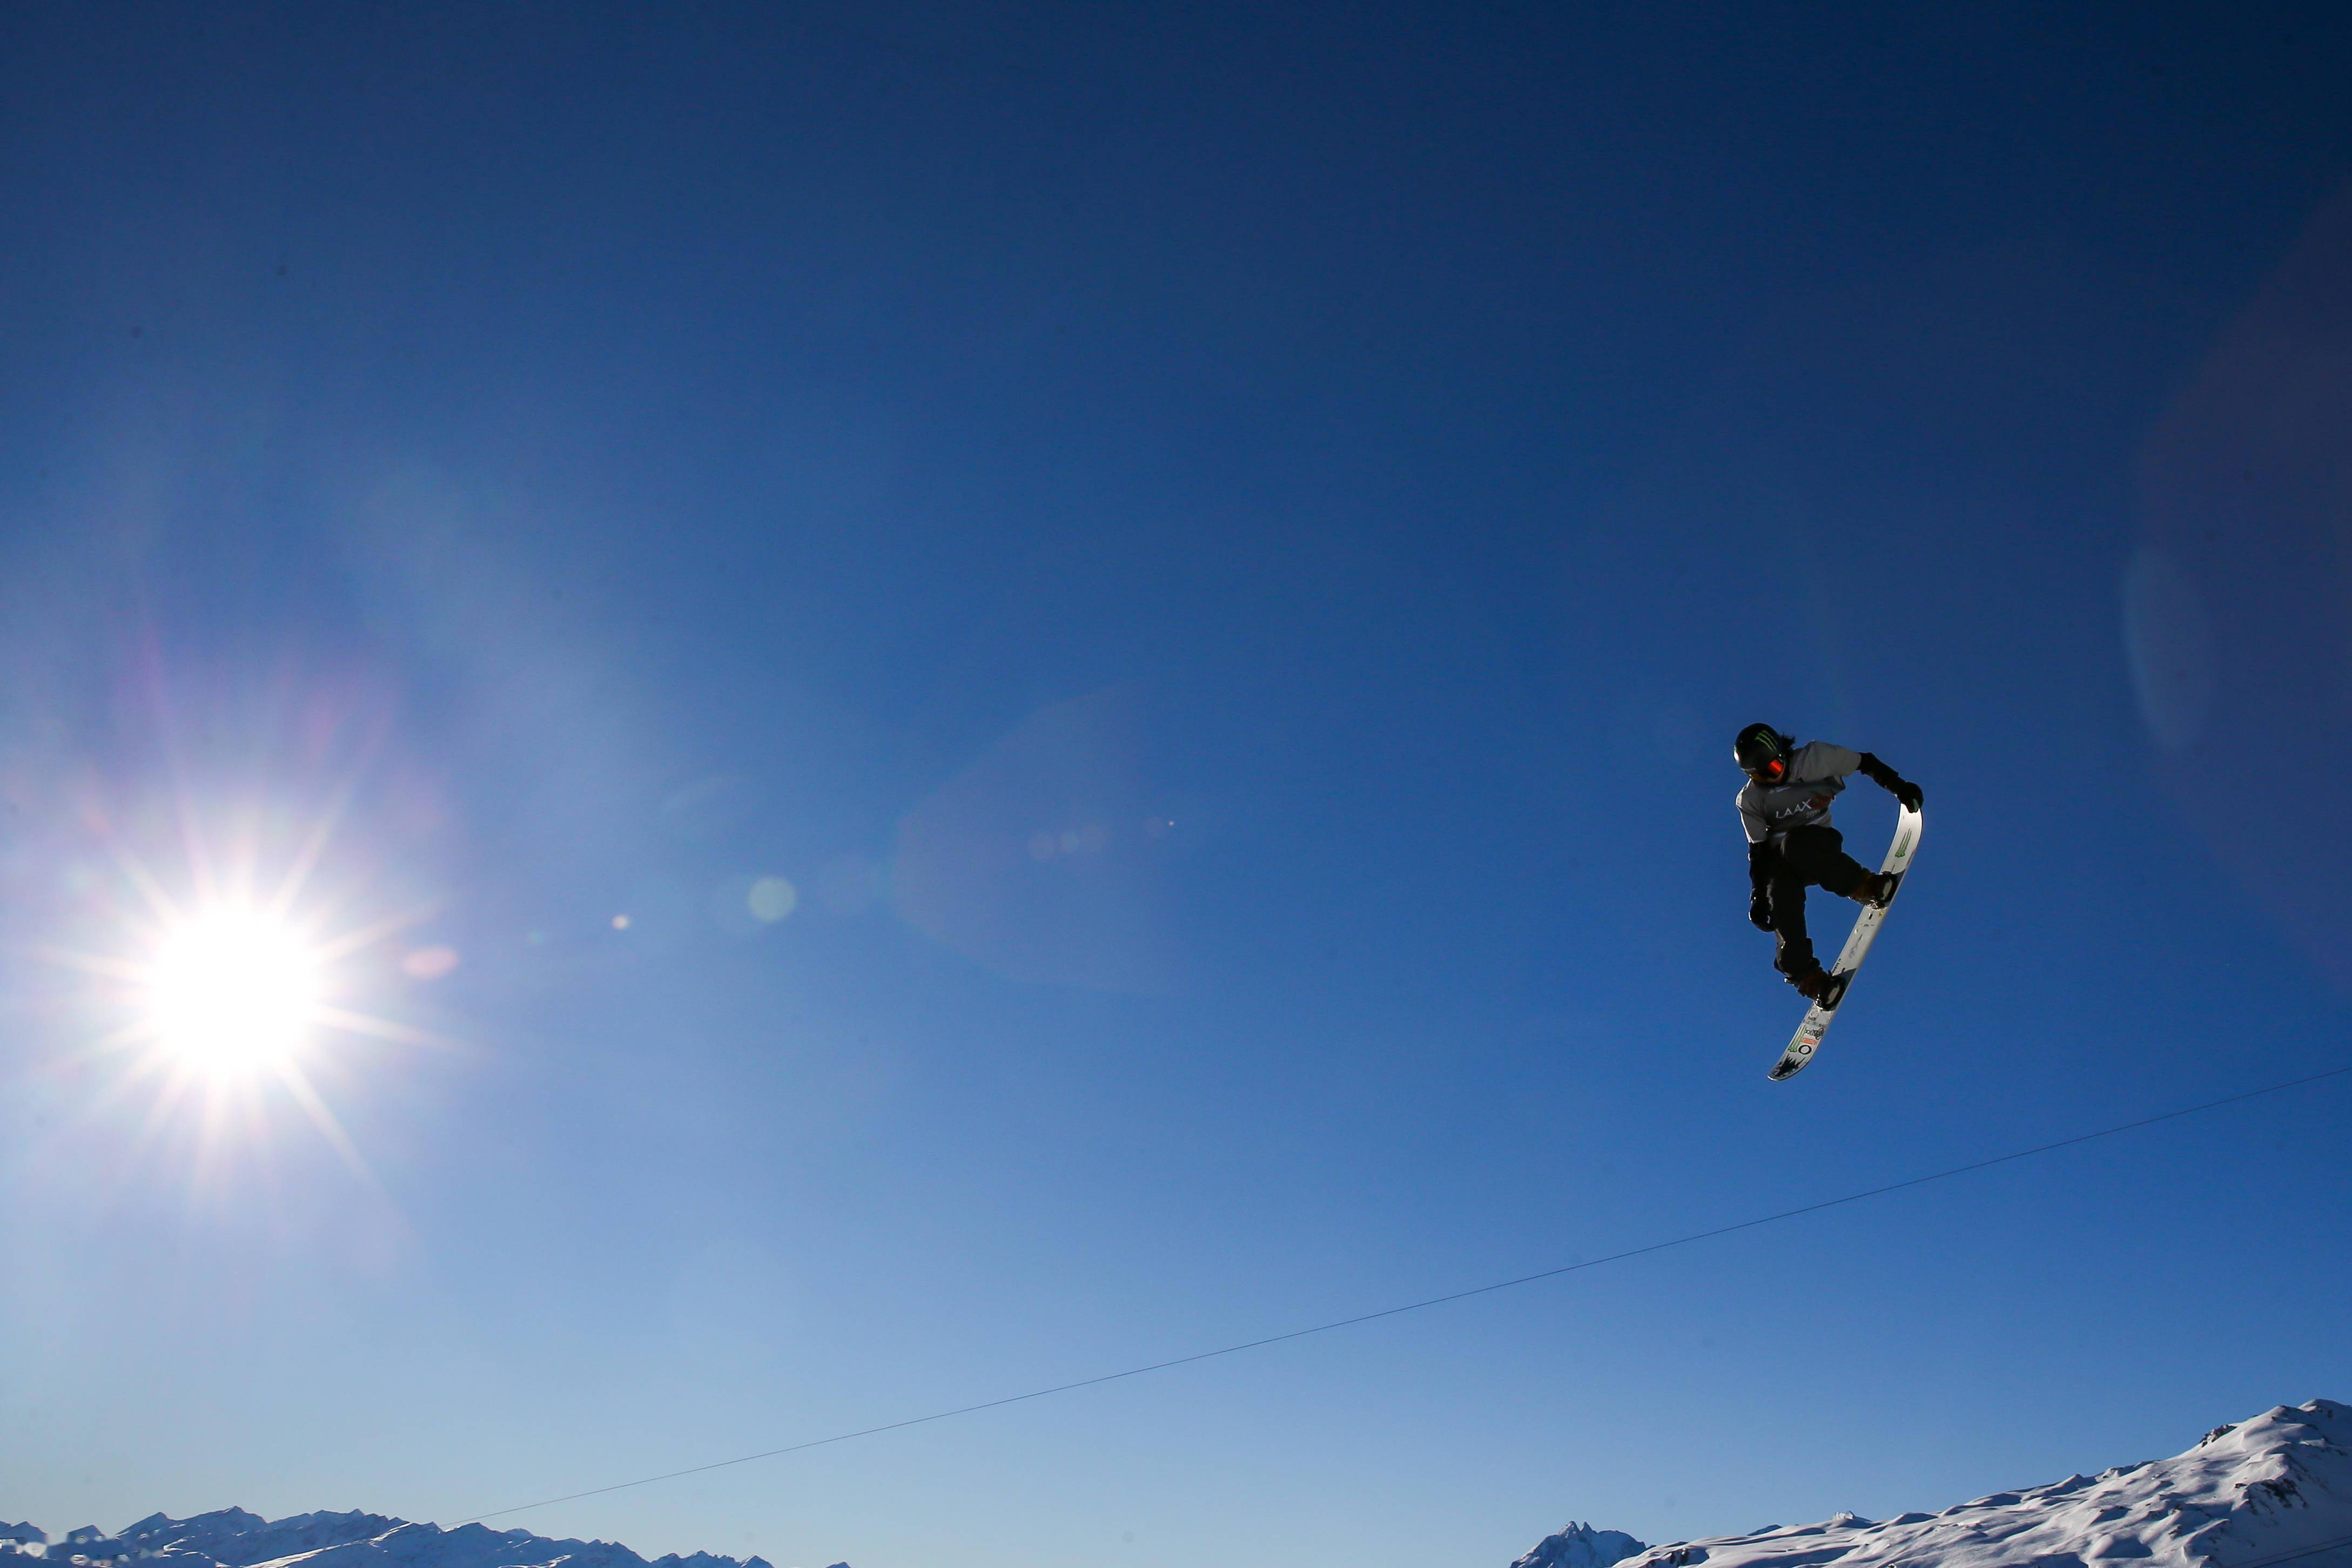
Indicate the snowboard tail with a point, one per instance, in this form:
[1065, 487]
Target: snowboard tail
[1819, 1016]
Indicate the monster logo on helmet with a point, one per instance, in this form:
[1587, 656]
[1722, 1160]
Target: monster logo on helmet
[1763, 752]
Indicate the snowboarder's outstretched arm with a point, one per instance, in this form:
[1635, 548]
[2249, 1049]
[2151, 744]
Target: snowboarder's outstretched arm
[1894, 783]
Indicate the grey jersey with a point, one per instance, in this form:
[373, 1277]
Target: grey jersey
[1816, 773]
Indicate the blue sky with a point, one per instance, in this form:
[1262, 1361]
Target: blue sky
[1218, 551]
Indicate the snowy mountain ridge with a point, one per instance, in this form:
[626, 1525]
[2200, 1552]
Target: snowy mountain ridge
[1581, 1546]
[233, 1538]
[2273, 1491]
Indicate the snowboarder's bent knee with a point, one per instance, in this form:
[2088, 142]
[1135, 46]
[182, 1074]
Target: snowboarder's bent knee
[1784, 808]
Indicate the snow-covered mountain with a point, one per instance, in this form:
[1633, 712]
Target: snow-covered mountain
[1581, 1546]
[2269, 1492]
[2276, 1489]
[232, 1538]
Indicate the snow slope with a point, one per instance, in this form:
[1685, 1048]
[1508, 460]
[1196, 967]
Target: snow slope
[2274, 1489]
[232, 1538]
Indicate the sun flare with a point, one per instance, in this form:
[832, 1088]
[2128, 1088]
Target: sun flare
[231, 990]
[229, 965]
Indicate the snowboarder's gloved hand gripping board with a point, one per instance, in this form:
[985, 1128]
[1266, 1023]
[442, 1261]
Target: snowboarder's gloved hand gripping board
[1808, 1038]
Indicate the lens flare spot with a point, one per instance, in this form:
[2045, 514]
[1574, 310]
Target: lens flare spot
[232, 991]
[771, 898]
[429, 962]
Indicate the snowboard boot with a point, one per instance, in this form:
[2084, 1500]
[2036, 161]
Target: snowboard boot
[1877, 889]
[1813, 985]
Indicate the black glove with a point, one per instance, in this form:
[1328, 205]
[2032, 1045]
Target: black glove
[1760, 910]
[1894, 783]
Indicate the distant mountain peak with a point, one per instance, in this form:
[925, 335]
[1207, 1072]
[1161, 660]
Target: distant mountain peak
[233, 1538]
[1581, 1546]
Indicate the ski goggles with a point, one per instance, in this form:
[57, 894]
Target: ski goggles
[1771, 770]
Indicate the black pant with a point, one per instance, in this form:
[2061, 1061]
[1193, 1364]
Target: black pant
[1802, 858]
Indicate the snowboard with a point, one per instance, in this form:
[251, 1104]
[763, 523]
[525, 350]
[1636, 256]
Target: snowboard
[1818, 1018]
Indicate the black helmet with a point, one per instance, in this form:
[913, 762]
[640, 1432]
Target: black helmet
[1763, 752]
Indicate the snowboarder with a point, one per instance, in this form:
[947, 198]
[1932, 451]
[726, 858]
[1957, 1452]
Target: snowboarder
[1785, 807]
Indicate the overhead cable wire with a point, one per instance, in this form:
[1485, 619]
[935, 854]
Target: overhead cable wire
[2297, 1555]
[1690, 1239]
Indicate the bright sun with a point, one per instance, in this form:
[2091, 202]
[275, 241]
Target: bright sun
[232, 989]
[230, 994]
